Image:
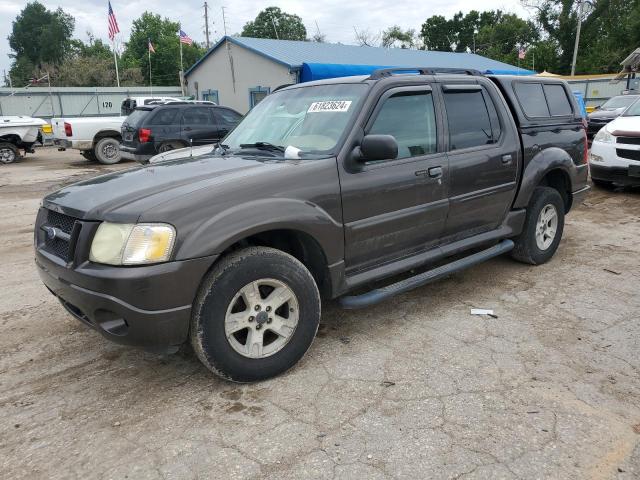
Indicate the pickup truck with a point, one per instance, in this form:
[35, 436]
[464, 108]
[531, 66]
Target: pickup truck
[325, 190]
[97, 138]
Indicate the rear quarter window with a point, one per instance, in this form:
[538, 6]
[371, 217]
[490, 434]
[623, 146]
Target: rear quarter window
[137, 116]
[532, 99]
[165, 116]
[557, 100]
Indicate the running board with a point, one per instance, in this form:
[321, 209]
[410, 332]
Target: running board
[380, 294]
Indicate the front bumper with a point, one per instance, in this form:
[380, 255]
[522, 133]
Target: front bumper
[148, 306]
[617, 175]
[607, 163]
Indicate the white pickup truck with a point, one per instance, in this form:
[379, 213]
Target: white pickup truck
[97, 138]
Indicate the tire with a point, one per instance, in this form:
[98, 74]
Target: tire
[602, 183]
[535, 245]
[89, 155]
[8, 153]
[222, 307]
[107, 151]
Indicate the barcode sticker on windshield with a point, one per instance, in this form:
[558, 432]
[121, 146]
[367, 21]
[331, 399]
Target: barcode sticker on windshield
[330, 106]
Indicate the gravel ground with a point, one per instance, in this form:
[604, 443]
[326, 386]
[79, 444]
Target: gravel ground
[413, 388]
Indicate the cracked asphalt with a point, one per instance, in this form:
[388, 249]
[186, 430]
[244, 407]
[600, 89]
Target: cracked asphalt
[414, 388]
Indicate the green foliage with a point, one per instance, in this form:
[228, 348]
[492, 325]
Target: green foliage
[39, 36]
[165, 63]
[395, 37]
[274, 23]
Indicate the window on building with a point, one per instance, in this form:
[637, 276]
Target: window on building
[257, 94]
[410, 118]
[468, 119]
[210, 96]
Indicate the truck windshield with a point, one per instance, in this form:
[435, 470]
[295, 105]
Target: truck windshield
[633, 110]
[618, 102]
[311, 119]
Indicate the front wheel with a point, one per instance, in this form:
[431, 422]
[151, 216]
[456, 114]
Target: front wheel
[256, 315]
[543, 227]
[8, 153]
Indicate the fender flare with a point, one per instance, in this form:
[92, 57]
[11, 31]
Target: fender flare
[541, 164]
[215, 235]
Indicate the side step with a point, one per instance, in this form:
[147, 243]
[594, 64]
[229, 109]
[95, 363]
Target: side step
[380, 294]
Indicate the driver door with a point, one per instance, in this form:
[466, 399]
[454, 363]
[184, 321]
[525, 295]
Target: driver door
[396, 207]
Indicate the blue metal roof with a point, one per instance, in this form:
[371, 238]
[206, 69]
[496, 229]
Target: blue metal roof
[294, 53]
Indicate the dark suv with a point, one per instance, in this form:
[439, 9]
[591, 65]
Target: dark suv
[153, 129]
[325, 190]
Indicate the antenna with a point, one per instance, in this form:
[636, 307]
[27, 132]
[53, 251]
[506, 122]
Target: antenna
[206, 24]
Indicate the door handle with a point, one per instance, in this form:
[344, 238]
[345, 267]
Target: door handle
[435, 172]
[187, 129]
[507, 159]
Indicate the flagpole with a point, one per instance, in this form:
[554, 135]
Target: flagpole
[149, 53]
[115, 60]
[181, 66]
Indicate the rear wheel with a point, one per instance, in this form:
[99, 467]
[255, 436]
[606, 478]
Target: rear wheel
[8, 153]
[107, 150]
[256, 315]
[543, 227]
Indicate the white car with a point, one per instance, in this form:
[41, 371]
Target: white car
[615, 153]
[98, 138]
[18, 132]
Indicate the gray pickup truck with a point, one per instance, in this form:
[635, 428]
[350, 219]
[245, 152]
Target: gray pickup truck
[326, 189]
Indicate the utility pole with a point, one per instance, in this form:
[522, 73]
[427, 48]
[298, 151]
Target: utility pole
[206, 24]
[575, 47]
[224, 21]
[273, 22]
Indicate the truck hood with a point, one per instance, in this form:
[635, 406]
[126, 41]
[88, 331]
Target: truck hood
[124, 196]
[625, 126]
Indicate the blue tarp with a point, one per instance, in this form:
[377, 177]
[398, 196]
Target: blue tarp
[320, 71]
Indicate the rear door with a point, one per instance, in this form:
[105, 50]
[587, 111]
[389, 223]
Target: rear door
[483, 152]
[396, 207]
[131, 124]
[199, 125]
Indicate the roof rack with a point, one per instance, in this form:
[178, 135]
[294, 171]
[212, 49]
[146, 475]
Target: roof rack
[387, 72]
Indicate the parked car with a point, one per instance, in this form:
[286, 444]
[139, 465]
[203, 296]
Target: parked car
[97, 138]
[154, 129]
[614, 158]
[371, 177]
[18, 132]
[609, 110]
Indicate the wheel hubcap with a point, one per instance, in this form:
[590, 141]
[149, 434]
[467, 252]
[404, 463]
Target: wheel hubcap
[261, 318]
[109, 151]
[7, 155]
[546, 227]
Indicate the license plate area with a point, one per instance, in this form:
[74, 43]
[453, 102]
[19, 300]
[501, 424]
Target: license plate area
[128, 137]
[634, 170]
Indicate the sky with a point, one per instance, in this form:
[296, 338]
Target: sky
[335, 18]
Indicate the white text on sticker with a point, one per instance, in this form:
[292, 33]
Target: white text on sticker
[330, 106]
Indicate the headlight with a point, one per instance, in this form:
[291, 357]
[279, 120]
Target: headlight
[125, 244]
[604, 136]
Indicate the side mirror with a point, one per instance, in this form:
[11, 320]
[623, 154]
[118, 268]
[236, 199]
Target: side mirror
[378, 147]
[597, 107]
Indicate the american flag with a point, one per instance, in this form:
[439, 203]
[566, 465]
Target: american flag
[522, 53]
[151, 49]
[113, 24]
[184, 38]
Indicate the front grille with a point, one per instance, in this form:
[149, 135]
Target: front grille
[60, 247]
[630, 154]
[629, 140]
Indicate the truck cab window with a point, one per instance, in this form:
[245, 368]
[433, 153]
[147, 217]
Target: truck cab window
[410, 118]
[468, 119]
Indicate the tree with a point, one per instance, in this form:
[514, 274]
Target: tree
[501, 40]
[365, 38]
[437, 33]
[39, 36]
[395, 37]
[274, 23]
[165, 63]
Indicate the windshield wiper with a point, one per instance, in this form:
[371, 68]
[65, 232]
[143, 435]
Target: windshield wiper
[263, 146]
